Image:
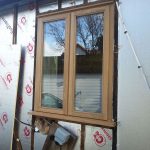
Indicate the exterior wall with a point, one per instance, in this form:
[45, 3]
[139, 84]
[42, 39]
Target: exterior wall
[95, 137]
[133, 92]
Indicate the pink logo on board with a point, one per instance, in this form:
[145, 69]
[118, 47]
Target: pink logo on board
[99, 139]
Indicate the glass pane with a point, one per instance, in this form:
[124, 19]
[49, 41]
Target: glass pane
[94, 0]
[89, 55]
[52, 5]
[69, 3]
[53, 64]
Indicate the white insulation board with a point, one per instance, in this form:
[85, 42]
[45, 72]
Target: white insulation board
[9, 73]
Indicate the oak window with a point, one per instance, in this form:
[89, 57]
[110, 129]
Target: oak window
[74, 65]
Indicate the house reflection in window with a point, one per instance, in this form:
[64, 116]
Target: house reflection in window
[89, 55]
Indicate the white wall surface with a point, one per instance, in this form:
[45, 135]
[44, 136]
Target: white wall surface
[133, 92]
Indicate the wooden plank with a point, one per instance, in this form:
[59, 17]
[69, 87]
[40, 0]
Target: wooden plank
[94, 122]
[82, 137]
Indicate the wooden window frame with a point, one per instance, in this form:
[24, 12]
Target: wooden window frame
[67, 113]
[39, 64]
[105, 64]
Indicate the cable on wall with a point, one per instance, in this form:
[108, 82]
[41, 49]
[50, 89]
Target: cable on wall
[131, 45]
[32, 127]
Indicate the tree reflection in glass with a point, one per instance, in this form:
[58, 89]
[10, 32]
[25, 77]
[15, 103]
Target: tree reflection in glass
[53, 64]
[89, 55]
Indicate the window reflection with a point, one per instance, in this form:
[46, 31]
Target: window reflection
[89, 55]
[69, 3]
[50, 6]
[53, 64]
[93, 0]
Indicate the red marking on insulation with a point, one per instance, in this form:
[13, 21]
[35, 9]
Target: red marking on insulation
[9, 77]
[99, 139]
[28, 89]
[30, 48]
[23, 20]
[5, 117]
[26, 131]
[107, 134]
[4, 81]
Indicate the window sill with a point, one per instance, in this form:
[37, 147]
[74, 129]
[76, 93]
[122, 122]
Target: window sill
[88, 121]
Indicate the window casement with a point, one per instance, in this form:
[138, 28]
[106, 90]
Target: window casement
[74, 65]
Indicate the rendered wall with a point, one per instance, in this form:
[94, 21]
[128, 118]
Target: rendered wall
[133, 92]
